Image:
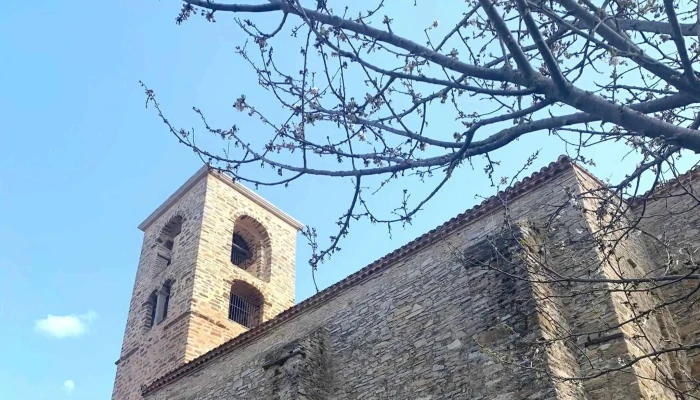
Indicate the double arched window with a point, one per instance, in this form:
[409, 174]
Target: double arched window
[156, 307]
[250, 247]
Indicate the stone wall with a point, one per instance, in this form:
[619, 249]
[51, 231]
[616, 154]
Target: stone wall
[670, 220]
[483, 310]
[425, 327]
[631, 318]
[299, 369]
[215, 273]
[148, 353]
[200, 276]
[552, 312]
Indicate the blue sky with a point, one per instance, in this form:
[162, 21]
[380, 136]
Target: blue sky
[83, 163]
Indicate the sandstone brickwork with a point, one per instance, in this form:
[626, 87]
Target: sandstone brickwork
[470, 310]
[423, 328]
[672, 218]
[200, 277]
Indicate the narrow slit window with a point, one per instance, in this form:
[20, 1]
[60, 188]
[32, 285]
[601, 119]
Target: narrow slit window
[153, 315]
[166, 301]
[162, 303]
[151, 307]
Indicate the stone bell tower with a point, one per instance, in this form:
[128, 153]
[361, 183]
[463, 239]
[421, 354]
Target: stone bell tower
[216, 260]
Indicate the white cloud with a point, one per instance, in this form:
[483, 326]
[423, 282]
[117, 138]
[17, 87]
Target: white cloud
[63, 326]
[69, 386]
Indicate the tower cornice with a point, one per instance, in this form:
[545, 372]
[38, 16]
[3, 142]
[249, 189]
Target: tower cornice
[202, 173]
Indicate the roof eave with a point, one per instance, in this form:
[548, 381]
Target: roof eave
[204, 172]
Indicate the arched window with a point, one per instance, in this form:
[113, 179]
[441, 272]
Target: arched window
[166, 241]
[166, 300]
[150, 309]
[240, 251]
[246, 305]
[156, 308]
[250, 247]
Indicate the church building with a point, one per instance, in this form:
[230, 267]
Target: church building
[461, 312]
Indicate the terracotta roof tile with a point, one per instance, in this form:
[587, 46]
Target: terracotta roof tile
[665, 187]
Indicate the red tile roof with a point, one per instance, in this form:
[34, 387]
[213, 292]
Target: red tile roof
[487, 206]
[666, 187]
